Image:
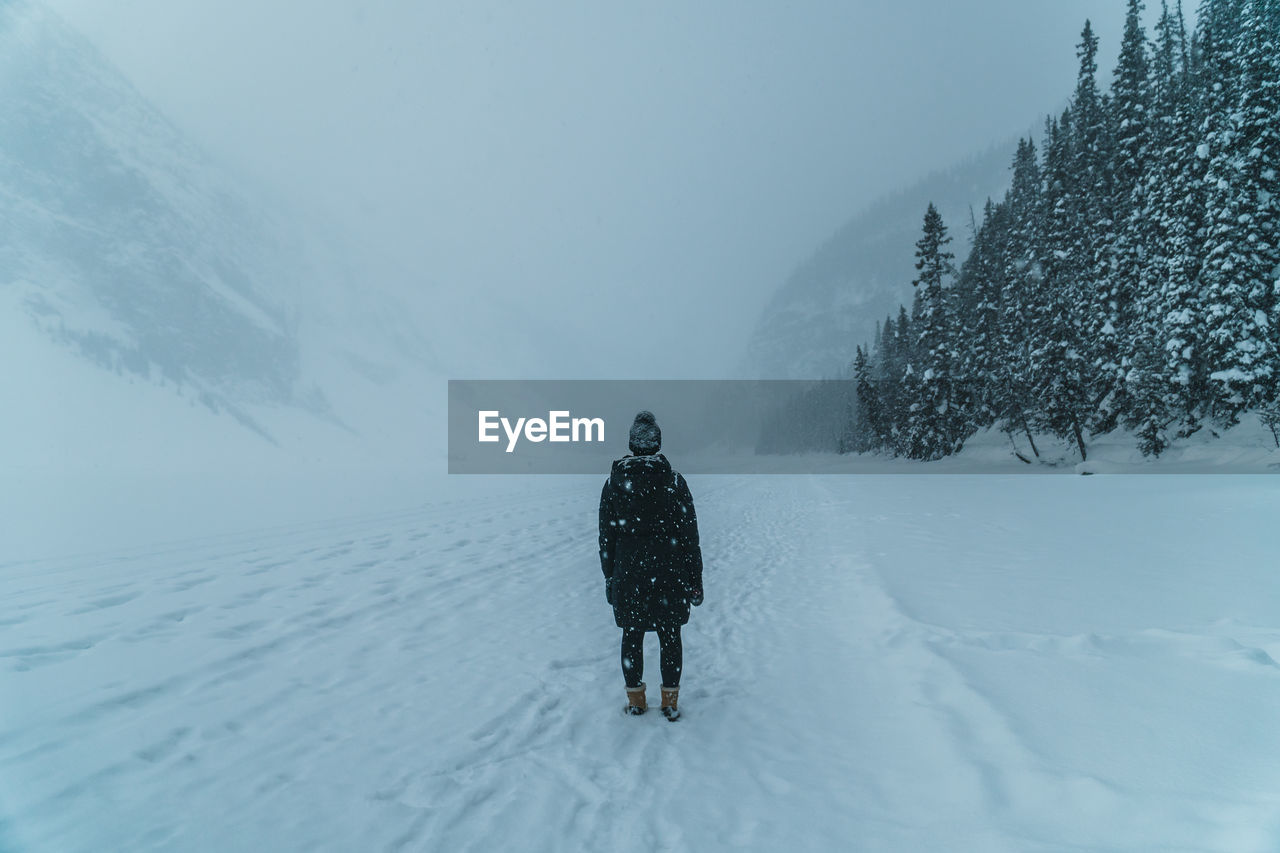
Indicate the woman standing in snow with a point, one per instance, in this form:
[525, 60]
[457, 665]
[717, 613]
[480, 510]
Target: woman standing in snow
[651, 559]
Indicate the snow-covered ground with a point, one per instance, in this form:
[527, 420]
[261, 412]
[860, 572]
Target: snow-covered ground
[882, 663]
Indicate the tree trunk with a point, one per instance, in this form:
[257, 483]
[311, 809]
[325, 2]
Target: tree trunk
[1030, 440]
[1075, 427]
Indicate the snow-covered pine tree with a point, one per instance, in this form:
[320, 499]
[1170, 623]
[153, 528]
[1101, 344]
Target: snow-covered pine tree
[1147, 381]
[1060, 368]
[978, 337]
[883, 369]
[1091, 230]
[1258, 130]
[935, 424]
[1121, 283]
[1132, 274]
[1238, 266]
[865, 422]
[1167, 381]
[1020, 279]
[898, 369]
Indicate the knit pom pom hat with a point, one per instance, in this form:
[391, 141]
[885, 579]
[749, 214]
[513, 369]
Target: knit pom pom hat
[645, 438]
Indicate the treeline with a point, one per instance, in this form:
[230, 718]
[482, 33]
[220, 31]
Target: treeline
[1130, 276]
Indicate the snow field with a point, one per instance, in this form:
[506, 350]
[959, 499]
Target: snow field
[883, 663]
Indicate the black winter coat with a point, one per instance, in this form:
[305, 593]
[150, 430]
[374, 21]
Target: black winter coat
[649, 549]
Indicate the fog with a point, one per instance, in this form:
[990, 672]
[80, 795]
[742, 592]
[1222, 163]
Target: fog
[581, 189]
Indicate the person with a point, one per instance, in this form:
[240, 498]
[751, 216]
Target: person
[651, 559]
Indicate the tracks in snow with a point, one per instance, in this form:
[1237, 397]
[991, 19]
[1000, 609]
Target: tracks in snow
[447, 678]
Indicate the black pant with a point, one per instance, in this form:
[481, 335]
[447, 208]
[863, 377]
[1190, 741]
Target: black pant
[633, 655]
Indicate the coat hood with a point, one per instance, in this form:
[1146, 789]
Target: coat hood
[641, 475]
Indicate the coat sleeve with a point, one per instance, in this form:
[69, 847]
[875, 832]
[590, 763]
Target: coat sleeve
[689, 536]
[608, 530]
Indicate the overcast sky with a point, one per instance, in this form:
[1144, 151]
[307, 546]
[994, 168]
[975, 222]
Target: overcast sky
[603, 171]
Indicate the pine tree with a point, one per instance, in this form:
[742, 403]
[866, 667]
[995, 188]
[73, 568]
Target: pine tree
[1020, 278]
[896, 380]
[1059, 365]
[884, 367]
[1258, 129]
[1121, 282]
[979, 337]
[1238, 268]
[1131, 275]
[1089, 230]
[1168, 377]
[934, 426]
[866, 423]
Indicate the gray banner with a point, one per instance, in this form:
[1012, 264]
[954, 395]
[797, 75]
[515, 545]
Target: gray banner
[751, 427]
[580, 426]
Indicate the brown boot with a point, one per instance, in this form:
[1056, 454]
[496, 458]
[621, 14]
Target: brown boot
[635, 700]
[669, 710]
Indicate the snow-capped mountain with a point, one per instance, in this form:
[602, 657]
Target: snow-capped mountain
[832, 302]
[117, 237]
[122, 243]
[181, 353]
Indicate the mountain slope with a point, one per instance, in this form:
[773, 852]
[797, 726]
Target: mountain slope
[182, 355]
[119, 237]
[832, 302]
[121, 242]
